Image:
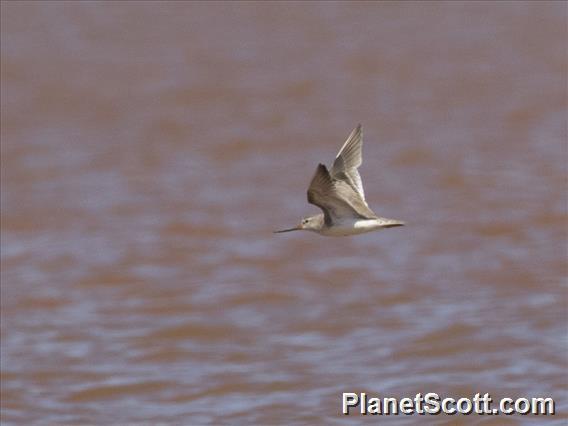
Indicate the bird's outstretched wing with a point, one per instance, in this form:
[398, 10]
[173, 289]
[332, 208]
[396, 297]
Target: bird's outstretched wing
[348, 160]
[336, 198]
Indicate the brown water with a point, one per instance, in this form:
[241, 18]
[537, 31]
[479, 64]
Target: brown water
[148, 151]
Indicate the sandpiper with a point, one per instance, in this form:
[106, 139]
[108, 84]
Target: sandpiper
[339, 193]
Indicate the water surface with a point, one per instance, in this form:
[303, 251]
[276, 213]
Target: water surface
[148, 151]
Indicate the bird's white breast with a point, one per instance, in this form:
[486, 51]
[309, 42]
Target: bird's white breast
[352, 227]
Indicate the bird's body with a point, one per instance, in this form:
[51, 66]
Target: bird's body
[339, 193]
[355, 227]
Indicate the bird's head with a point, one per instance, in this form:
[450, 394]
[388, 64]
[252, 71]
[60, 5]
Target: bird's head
[312, 223]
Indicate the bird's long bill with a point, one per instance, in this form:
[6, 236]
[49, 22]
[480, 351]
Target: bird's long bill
[295, 228]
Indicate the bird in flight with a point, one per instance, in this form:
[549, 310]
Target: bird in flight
[339, 194]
